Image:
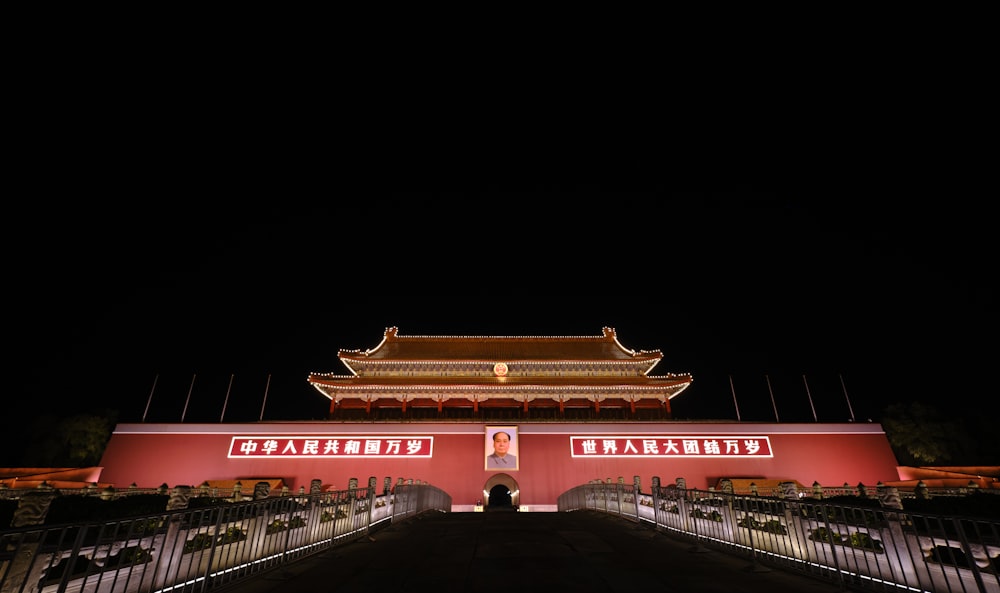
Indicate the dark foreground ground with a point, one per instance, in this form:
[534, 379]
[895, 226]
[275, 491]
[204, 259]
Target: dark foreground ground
[511, 552]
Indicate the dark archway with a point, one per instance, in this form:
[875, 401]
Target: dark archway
[499, 498]
[502, 493]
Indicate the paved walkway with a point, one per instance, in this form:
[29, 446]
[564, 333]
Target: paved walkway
[511, 552]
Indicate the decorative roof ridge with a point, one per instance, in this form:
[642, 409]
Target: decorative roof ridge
[525, 337]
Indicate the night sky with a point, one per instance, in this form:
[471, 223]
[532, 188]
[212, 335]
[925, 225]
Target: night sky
[873, 300]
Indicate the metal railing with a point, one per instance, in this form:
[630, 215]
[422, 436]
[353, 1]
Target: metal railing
[872, 548]
[859, 546]
[192, 550]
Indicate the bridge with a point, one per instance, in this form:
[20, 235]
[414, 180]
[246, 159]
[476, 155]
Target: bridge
[604, 537]
[574, 552]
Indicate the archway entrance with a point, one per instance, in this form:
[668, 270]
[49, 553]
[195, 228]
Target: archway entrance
[499, 496]
[501, 492]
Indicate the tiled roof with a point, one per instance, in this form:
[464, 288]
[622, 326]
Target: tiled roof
[640, 387]
[765, 486]
[531, 361]
[500, 348]
[52, 474]
[57, 484]
[247, 485]
[507, 383]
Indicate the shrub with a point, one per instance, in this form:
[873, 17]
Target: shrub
[91, 509]
[199, 542]
[204, 540]
[978, 504]
[949, 555]
[822, 534]
[771, 526]
[233, 534]
[276, 526]
[129, 556]
[855, 540]
[865, 541]
[700, 514]
[7, 508]
[143, 526]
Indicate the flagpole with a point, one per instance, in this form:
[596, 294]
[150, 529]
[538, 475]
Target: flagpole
[264, 403]
[733, 389]
[225, 403]
[188, 400]
[844, 387]
[773, 405]
[810, 398]
[150, 400]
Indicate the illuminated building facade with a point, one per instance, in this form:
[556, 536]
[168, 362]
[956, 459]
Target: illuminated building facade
[576, 409]
[534, 377]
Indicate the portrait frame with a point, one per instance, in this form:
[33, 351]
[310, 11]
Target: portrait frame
[513, 451]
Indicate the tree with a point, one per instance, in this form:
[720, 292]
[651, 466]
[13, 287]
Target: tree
[920, 434]
[74, 441]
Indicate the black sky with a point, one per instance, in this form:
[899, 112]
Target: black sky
[897, 300]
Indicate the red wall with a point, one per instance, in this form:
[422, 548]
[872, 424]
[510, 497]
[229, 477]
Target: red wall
[188, 454]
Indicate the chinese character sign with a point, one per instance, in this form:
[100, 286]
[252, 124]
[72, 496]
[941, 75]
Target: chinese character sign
[670, 446]
[256, 447]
